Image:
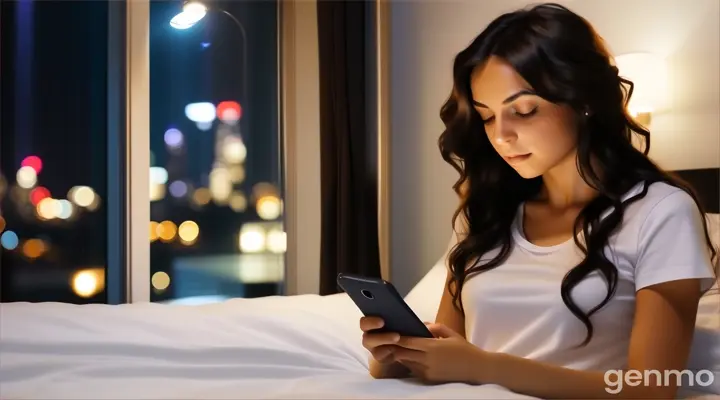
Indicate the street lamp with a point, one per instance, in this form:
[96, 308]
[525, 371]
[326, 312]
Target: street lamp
[193, 11]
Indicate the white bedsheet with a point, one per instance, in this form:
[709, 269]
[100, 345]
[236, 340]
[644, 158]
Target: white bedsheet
[301, 347]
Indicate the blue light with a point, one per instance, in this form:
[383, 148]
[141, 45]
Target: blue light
[205, 45]
[9, 240]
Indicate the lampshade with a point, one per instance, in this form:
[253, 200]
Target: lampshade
[649, 74]
[191, 14]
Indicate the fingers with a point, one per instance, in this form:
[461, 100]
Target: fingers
[373, 340]
[370, 323]
[408, 356]
[383, 354]
[441, 331]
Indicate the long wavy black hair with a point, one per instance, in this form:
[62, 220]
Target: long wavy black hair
[564, 60]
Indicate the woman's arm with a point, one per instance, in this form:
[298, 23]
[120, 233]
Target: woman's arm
[661, 339]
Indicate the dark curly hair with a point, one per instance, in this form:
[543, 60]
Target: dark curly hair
[564, 60]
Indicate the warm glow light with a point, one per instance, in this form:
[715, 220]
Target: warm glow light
[157, 191]
[200, 112]
[649, 75]
[234, 150]
[277, 241]
[188, 232]
[238, 202]
[2, 223]
[268, 207]
[237, 173]
[34, 248]
[88, 282]
[220, 184]
[160, 280]
[49, 208]
[26, 177]
[191, 14]
[154, 227]
[82, 196]
[167, 231]
[252, 239]
[202, 196]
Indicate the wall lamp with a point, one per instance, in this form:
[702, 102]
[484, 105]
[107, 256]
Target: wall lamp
[649, 75]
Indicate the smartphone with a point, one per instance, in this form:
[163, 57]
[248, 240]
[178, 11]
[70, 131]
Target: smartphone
[378, 298]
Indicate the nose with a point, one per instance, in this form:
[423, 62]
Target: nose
[503, 132]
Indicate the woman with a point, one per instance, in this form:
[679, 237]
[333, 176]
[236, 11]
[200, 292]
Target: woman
[577, 258]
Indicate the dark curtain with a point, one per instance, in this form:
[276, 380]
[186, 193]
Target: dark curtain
[349, 230]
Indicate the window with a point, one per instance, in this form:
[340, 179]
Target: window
[53, 151]
[216, 207]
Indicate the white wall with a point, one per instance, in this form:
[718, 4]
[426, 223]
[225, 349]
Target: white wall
[426, 35]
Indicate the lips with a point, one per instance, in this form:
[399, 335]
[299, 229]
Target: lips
[517, 157]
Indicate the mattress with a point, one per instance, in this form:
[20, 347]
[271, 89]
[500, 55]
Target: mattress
[300, 347]
[270, 348]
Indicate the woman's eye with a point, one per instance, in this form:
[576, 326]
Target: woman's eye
[523, 113]
[487, 120]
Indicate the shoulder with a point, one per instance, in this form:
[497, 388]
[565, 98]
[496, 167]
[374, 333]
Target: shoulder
[661, 201]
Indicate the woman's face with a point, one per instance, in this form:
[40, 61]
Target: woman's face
[531, 134]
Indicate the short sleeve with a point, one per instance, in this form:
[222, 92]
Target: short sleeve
[672, 244]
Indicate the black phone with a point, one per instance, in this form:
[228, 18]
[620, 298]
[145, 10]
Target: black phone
[377, 297]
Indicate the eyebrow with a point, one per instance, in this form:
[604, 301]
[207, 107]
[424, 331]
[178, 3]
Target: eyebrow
[509, 99]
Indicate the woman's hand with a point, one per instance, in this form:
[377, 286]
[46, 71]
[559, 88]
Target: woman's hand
[449, 357]
[380, 345]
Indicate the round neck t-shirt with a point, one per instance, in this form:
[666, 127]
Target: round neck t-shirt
[517, 308]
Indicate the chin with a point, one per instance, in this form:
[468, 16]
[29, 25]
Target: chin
[528, 173]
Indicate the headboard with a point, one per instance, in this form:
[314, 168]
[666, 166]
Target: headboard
[706, 183]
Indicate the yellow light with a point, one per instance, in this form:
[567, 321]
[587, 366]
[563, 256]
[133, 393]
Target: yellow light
[201, 196]
[160, 280]
[277, 241]
[82, 196]
[220, 184]
[154, 226]
[188, 232]
[268, 207]
[167, 231]
[238, 202]
[237, 173]
[88, 282]
[48, 208]
[234, 150]
[34, 248]
[2, 223]
[157, 191]
[252, 239]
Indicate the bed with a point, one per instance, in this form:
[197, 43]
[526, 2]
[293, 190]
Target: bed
[297, 347]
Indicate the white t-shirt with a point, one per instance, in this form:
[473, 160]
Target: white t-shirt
[517, 307]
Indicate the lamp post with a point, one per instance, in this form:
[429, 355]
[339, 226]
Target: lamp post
[194, 11]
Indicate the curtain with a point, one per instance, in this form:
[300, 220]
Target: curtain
[349, 230]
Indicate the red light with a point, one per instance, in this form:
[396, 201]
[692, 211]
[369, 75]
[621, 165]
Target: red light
[37, 194]
[33, 162]
[229, 111]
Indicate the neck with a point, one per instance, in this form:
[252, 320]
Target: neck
[563, 187]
